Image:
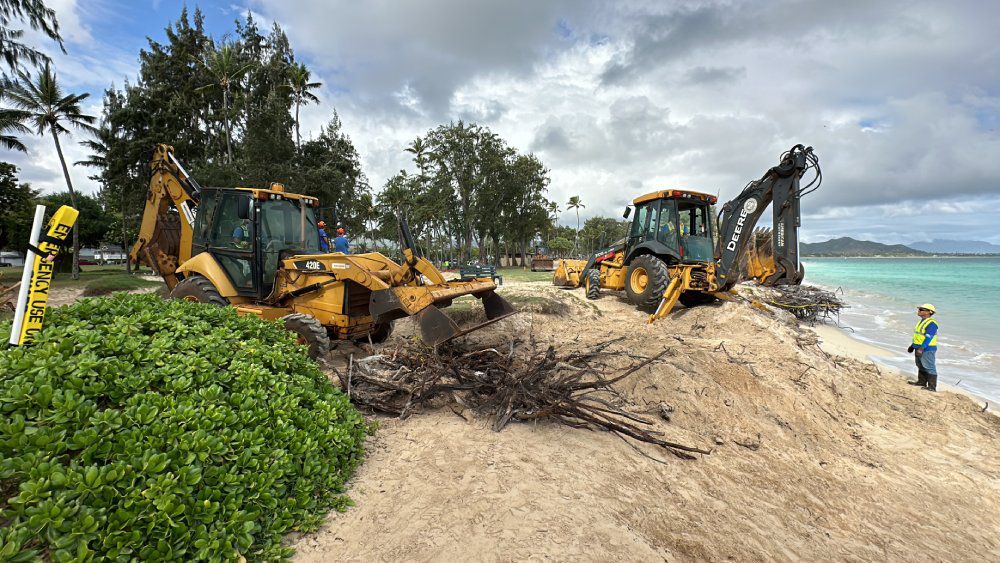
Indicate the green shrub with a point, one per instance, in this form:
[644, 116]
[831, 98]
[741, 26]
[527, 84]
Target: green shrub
[143, 429]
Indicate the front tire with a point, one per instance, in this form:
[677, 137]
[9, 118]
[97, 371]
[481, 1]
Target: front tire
[198, 289]
[309, 332]
[593, 283]
[646, 280]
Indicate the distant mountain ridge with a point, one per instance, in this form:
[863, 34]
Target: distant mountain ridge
[847, 246]
[943, 246]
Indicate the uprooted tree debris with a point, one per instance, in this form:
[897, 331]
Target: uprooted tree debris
[808, 303]
[506, 386]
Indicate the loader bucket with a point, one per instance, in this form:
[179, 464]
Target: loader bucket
[568, 273]
[422, 303]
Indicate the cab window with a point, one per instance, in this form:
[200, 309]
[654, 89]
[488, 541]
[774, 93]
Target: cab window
[641, 217]
[696, 230]
[666, 234]
[281, 230]
[229, 231]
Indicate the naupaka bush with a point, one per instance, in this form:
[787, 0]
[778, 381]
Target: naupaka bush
[137, 428]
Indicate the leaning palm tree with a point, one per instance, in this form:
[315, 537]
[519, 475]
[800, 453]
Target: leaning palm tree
[574, 203]
[12, 121]
[48, 109]
[224, 66]
[298, 82]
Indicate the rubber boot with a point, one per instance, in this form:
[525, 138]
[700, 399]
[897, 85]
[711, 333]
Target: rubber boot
[931, 382]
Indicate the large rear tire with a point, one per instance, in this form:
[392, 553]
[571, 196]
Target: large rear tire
[198, 289]
[309, 332]
[593, 282]
[646, 280]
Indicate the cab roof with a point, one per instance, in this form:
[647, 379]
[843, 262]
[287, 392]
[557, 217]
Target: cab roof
[277, 191]
[675, 194]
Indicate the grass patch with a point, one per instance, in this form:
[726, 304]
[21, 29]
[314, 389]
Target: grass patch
[110, 282]
[523, 275]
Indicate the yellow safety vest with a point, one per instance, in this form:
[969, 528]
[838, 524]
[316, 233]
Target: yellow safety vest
[920, 332]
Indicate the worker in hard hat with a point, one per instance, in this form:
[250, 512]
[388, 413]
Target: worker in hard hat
[924, 347]
[340, 244]
[324, 240]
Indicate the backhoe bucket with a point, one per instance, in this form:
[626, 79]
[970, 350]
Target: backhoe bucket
[422, 303]
[758, 263]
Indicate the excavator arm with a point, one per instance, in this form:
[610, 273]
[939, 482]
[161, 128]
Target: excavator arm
[780, 187]
[165, 235]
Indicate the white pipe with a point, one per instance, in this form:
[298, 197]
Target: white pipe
[29, 266]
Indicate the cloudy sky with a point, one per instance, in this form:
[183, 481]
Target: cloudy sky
[901, 100]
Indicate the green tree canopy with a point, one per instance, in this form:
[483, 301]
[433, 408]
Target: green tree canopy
[95, 222]
[17, 209]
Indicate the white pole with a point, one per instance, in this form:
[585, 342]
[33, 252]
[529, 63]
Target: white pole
[29, 265]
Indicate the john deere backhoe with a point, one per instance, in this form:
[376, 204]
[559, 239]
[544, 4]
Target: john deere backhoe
[259, 251]
[678, 250]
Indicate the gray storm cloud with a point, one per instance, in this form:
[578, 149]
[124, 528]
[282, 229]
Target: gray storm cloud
[900, 99]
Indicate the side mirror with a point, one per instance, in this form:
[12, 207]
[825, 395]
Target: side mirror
[628, 211]
[243, 207]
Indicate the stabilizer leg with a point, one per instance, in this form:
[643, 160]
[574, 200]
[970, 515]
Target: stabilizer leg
[670, 297]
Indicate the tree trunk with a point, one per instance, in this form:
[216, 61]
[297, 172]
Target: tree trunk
[496, 250]
[298, 139]
[72, 199]
[128, 263]
[577, 241]
[225, 112]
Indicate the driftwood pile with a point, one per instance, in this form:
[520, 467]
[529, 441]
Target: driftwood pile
[808, 303]
[505, 386]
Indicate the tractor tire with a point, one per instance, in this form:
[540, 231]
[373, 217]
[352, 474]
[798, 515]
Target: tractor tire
[694, 298]
[380, 333]
[646, 280]
[198, 289]
[309, 332]
[593, 282]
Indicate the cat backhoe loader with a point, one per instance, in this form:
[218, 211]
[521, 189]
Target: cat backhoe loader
[258, 250]
[678, 250]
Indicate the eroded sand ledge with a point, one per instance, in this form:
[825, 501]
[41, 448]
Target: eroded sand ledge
[816, 457]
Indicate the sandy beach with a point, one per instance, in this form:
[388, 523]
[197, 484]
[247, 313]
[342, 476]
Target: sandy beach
[816, 453]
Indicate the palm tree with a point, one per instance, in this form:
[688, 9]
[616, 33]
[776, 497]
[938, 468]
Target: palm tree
[100, 149]
[553, 208]
[224, 66]
[298, 81]
[12, 120]
[39, 18]
[47, 108]
[574, 203]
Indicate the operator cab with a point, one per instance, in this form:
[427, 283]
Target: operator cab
[675, 223]
[249, 231]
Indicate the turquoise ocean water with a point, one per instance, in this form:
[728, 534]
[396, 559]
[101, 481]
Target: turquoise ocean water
[883, 294]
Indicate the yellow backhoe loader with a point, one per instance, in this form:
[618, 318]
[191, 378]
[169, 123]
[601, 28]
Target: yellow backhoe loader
[258, 250]
[678, 250]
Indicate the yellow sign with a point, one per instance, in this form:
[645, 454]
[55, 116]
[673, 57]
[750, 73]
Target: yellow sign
[59, 228]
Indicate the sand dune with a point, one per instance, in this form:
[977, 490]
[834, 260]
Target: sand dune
[815, 457]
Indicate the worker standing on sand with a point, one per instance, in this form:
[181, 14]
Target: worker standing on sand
[924, 347]
[324, 241]
[340, 243]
